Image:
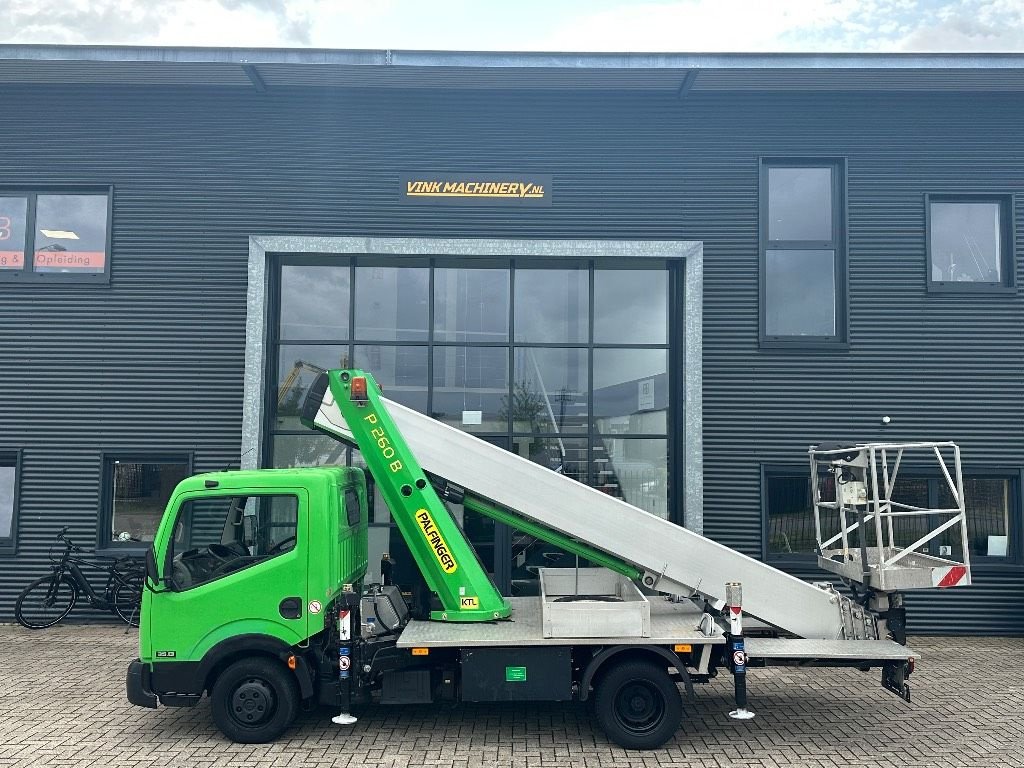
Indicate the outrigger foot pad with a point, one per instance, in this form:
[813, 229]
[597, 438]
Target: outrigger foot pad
[741, 714]
[344, 719]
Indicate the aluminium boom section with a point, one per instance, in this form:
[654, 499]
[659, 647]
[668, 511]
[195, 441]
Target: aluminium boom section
[674, 560]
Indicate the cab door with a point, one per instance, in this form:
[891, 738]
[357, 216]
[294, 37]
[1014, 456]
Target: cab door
[235, 564]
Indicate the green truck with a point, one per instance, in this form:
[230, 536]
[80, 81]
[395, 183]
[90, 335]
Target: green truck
[256, 591]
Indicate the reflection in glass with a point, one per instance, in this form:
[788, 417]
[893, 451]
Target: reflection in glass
[800, 204]
[13, 212]
[631, 388]
[471, 388]
[551, 305]
[8, 478]
[790, 515]
[800, 293]
[630, 306]
[391, 303]
[471, 304]
[71, 233]
[314, 302]
[312, 450]
[298, 366]
[965, 242]
[564, 455]
[400, 371]
[549, 390]
[139, 493]
[635, 470]
[569, 457]
[379, 513]
[987, 503]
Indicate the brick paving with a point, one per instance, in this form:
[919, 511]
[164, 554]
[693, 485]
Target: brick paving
[62, 704]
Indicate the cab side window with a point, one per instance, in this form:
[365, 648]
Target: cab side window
[216, 536]
[352, 506]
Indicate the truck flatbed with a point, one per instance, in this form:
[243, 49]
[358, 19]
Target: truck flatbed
[810, 649]
[671, 622]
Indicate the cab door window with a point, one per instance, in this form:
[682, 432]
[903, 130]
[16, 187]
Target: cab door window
[216, 536]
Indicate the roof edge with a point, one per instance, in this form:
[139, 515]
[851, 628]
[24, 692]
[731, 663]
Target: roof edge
[508, 59]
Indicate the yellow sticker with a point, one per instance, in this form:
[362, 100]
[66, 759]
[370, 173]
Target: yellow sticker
[467, 603]
[436, 542]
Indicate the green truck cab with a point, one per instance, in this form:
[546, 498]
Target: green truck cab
[244, 569]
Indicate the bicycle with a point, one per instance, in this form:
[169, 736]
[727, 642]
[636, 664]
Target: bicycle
[49, 599]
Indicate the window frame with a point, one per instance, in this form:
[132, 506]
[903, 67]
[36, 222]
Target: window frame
[27, 274]
[1007, 236]
[1015, 520]
[839, 245]
[105, 518]
[12, 457]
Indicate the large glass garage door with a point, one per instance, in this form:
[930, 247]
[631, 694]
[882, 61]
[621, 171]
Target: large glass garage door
[565, 364]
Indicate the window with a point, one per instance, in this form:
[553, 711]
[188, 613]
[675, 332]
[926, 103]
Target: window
[59, 236]
[218, 535]
[351, 501]
[991, 501]
[136, 491]
[565, 362]
[803, 253]
[10, 474]
[969, 242]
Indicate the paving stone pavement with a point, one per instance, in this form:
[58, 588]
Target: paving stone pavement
[62, 703]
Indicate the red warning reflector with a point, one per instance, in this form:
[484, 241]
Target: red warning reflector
[357, 389]
[950, 577]
[734, 608]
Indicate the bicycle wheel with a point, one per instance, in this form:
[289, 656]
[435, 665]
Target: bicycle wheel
[127, 602]
[45, 601]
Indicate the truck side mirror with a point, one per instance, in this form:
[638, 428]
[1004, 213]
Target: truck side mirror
[152, 575]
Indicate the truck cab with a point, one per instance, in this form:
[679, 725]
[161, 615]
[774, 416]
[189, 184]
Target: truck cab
[240, 575]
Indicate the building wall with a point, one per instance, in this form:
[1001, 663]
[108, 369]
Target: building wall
[154, 361]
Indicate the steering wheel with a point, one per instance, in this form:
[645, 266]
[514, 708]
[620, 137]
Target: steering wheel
[274, 549]
[221, 552]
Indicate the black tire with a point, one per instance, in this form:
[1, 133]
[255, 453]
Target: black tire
[638, 705]
[254, 700]
[127, 600]
[42, 603]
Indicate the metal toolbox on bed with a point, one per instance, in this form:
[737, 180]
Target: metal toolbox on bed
[592, 602]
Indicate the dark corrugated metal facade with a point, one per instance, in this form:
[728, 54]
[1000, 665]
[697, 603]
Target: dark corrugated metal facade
[154, 361]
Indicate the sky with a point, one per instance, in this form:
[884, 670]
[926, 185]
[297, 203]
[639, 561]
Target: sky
[528, 25]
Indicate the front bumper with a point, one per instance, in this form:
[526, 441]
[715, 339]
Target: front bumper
[138, 685]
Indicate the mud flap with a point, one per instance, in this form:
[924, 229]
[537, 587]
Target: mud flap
[894, 679]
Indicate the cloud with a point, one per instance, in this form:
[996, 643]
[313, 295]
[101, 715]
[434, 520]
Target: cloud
[797, 25]
[586, 25]
[74, 21]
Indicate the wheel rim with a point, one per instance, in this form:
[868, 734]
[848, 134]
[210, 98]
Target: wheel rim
[639, 706]
[253, 702]
[47, 603]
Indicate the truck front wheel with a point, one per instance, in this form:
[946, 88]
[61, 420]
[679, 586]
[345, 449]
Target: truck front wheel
[254, 700]
[638, 705]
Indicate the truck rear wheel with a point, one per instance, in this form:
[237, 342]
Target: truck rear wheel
[254, 700]
[638, 705]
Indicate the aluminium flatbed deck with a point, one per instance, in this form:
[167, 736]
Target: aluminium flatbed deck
[670, 623]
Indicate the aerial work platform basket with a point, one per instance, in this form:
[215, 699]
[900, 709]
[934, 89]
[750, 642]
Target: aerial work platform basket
[867, 531]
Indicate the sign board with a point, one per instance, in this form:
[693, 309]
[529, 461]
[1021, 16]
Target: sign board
[645, 395]
[477, 188]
